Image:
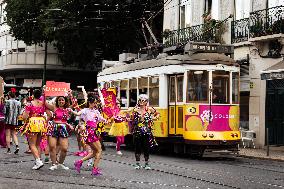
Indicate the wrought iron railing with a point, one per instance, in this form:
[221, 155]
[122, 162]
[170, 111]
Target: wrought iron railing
[197, 33]
[266, 22]
[240, 30]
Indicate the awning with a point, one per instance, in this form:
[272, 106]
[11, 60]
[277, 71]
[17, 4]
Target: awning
[274, 72]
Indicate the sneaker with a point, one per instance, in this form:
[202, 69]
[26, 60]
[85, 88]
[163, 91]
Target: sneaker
[8, 152]
[17, 151]
[137, 166]
[90, 163]
[38, 165]
[53, 167]
[78, 164]
[147, 166]
[62, 166]
[46, 160]
[96, 171]
[119, 153]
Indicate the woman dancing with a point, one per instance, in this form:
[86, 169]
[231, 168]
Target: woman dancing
[58, 131]
[35, 126]
[142, 118]
[91, 117]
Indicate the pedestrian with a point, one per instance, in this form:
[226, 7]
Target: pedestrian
[91, 117]
[142, 120]
[58, 132]
[119, 127]
[35, 126]
[12, 112]
[2, 123]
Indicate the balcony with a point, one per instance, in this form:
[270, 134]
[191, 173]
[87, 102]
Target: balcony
[240, 30]
[198, 33]
[261, 25]
[266, 22]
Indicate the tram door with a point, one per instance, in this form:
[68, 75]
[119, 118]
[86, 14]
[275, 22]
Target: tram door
[176, 104]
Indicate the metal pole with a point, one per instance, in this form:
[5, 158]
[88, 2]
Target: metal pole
[267, 142]
[44, 67]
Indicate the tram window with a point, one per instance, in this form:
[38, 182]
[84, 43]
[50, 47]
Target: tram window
[235, 87]
[179, 88]
[172, 89]
[123, 92]
[197, 86]
[221, 87]
[143, 85]
[132, 92]
[154, 91]
[114, 84]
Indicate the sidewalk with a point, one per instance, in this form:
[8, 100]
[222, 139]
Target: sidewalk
[275, 153]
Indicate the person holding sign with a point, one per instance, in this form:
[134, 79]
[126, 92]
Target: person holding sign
[58, 131]
[35, 126]
[91, 116]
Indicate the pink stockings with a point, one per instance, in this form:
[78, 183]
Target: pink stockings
[119, 141]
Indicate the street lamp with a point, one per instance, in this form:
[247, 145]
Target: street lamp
[45, 50]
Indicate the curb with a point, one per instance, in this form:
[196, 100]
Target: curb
[262, 158]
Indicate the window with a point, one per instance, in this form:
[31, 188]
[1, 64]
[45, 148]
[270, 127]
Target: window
[172, 89]
[275, 3]
[143, 85]
[242, 9]
[235, 87]
[221, 87]
[197, 86]
[182, 16]
[212, 7]
[154, 91]
[132, 92]
[179, 88]
[123, 92]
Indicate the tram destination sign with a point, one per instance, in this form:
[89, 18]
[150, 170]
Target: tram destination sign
[273, 75]
[209, 47]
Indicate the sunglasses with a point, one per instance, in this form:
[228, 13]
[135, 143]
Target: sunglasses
[142, 100]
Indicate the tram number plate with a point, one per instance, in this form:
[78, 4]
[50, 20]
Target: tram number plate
[192, 109]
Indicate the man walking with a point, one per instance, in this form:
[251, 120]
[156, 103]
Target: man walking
[12, 109]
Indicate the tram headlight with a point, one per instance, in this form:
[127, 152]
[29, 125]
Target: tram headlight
[236, 135]
[232, 135]
[211, 135]
[204, 135]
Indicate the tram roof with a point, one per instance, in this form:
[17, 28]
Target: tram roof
[197, 58]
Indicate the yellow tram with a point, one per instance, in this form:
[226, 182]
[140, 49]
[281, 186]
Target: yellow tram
[196, 93]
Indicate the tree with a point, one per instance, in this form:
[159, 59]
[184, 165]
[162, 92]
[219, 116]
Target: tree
[85, 31]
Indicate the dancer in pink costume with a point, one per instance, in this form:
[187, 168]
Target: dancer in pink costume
[91, 117]
[119, 128]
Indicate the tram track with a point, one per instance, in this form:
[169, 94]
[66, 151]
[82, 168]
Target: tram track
[199, 171]
[178, 175]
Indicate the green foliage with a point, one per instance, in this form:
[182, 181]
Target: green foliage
[84, 30]
[212, 29]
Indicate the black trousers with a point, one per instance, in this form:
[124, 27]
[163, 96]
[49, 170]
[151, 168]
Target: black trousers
[141, 142]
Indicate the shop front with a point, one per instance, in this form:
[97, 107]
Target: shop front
[274, 108]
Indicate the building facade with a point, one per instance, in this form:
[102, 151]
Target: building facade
[20, 63]
[256, 29]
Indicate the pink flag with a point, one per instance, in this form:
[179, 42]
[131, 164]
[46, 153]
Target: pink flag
[110, 107]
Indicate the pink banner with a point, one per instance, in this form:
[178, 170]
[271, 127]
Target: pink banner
[214, 118]
[56, 88]
[110, 107]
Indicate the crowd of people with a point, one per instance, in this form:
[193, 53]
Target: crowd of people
[46, 127]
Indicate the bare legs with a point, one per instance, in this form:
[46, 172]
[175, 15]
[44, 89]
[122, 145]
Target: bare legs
[34, 141]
